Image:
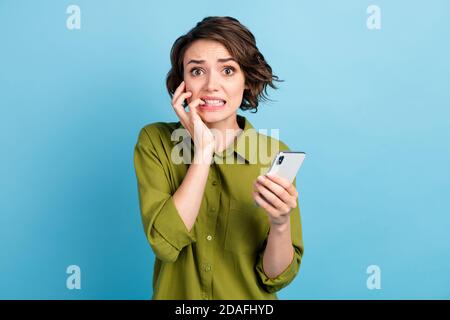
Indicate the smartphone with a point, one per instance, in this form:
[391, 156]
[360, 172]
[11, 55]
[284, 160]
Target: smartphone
[287, 163]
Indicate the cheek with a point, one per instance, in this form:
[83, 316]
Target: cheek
[237, 92]
[191, 86]
[238, 88]
[187, 81]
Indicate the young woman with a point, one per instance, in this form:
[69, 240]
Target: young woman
[219, 229]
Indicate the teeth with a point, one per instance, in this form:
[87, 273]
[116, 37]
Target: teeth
[214, 102]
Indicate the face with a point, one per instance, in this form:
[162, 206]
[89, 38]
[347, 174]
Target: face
[212, 75]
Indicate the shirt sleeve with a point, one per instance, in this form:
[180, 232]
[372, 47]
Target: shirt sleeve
[163, 226]
[282, 280]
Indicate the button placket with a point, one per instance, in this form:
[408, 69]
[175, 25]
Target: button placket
[210, 229]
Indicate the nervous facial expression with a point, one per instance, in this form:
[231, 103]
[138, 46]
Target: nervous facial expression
[212, 74]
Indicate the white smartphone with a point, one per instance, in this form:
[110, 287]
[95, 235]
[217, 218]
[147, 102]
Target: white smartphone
[287, 163]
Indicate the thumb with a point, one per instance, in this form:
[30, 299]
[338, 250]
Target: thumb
[193, 107]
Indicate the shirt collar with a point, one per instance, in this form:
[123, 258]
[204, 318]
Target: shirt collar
[240, 145]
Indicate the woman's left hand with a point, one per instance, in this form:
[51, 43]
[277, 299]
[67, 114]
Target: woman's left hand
[276, 196]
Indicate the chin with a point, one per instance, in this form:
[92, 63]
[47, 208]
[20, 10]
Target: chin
[212, 117]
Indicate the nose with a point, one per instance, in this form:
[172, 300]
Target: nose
[212, 82]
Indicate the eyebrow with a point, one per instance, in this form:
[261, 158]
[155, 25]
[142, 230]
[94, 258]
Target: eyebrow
[203, 61]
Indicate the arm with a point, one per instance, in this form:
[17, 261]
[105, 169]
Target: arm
[163, 215]
[168, 219]
[189, 195]
[280, 261]
[279, 251]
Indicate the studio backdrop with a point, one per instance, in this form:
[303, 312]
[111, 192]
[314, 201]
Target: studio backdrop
[365, 95]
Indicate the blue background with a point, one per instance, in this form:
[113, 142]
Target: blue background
[369, 107]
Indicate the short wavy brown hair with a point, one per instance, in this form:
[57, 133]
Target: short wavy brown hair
[241, 44]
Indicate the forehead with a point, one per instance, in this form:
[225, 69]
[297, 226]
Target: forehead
[208, 50]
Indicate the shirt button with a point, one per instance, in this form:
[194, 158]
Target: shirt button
[205, 296]
[214, 183]
[209, 237]
[207, 268]
[213, 209]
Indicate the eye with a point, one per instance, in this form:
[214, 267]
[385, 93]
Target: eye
[230, 69]
[194, 72]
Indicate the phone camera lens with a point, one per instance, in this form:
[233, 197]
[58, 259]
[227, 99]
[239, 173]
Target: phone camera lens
[280, 159]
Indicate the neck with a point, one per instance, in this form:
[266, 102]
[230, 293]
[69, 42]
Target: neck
[221, 128]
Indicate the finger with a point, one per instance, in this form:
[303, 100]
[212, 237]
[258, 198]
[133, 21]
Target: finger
[271, 198]
[182, 114]
[283, 182]
[277, 189]
[200, 130]
[178, 102]
[179, 90]
[264, 204]
[179, 109]
[193, 106]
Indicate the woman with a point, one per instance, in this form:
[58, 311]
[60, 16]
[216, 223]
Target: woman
[210, 239]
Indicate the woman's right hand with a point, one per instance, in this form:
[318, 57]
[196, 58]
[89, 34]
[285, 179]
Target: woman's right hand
[203, 138]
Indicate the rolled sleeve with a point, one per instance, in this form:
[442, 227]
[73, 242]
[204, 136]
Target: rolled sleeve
[164, 228]
[171, 227]
[282, 280]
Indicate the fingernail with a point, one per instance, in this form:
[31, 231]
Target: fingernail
[261, 178]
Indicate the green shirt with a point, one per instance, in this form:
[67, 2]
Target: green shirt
[221, 256]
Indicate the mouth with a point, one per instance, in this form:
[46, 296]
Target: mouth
[213, 104]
